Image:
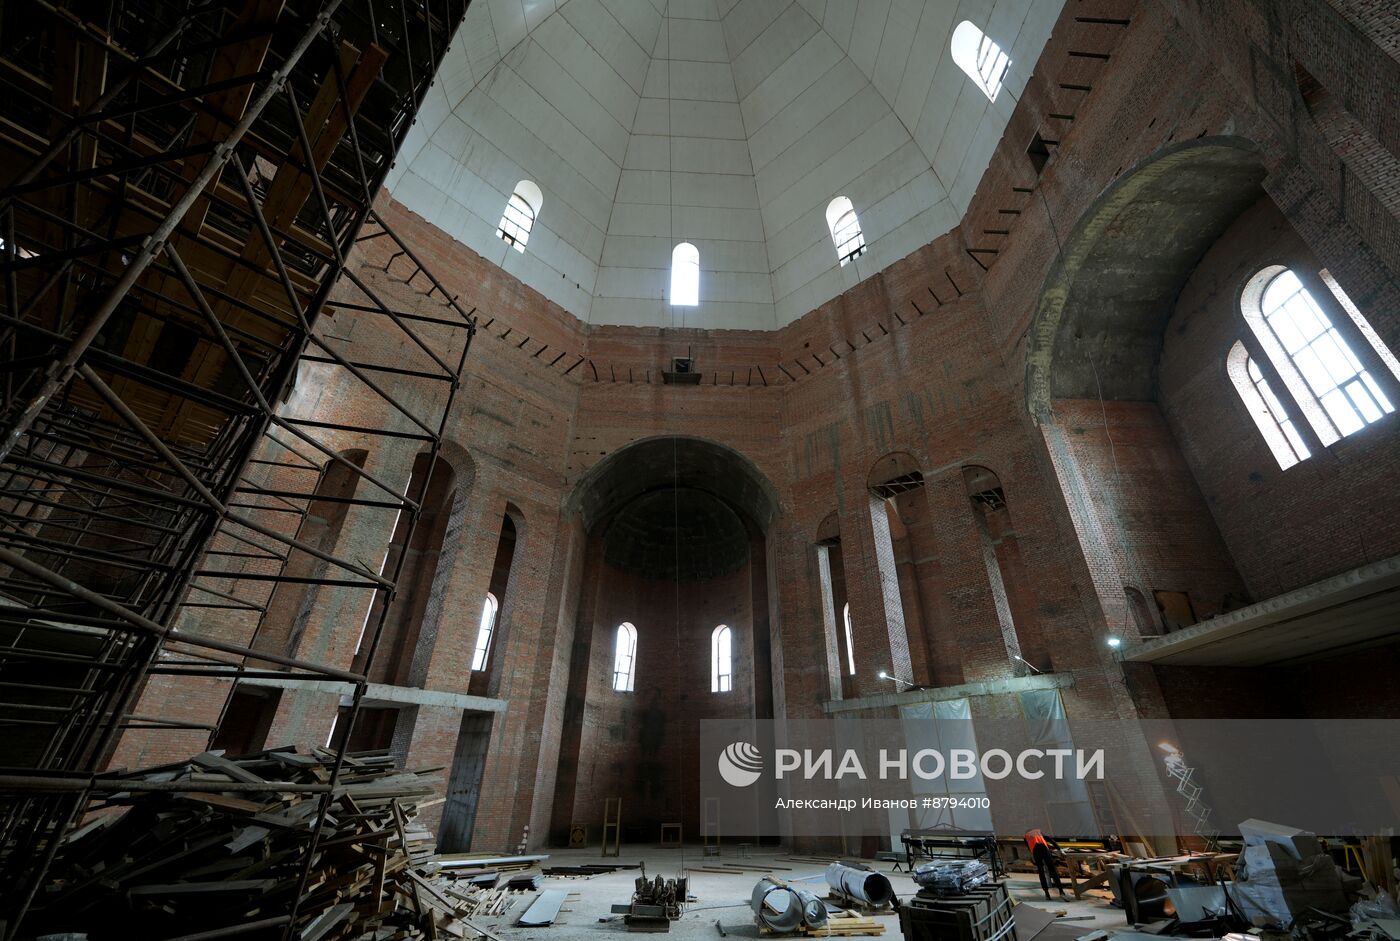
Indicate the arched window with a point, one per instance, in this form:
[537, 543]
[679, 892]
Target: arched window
[845, 229]
[850, 642]
[522, 209]
[485, 632]
[625, 658]
[1335, 391]
[1264, 407]
[721, 660]
[685, 275]
[982, 60]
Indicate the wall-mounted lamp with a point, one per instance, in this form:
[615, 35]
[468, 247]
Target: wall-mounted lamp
[898, 679]
[1115, 642]
[1029, 665]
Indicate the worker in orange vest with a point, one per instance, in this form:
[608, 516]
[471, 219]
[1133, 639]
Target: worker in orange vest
[1045, 851]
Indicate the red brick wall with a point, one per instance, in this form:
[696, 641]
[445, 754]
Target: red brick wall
[643, 745]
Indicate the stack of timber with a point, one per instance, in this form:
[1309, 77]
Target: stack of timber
[214, 843]
[839, 924]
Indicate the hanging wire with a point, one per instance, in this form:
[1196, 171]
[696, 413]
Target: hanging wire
[676, 560]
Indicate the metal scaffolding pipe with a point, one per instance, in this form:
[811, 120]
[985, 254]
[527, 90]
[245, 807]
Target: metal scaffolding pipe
[67, 364]
[42, 783]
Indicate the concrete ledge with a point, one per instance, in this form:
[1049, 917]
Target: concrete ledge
[380, 694]
[1346, 611]
[1012, 684]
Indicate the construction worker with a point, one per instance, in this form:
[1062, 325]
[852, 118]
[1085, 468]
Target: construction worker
[1045, 852]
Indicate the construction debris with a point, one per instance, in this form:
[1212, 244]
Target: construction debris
[592, 869]
[213, 843]
[1284, 873]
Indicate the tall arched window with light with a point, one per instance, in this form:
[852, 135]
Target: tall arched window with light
[850, 642]
[721, 660]
[685, 275]
[484, 633]
[841, 219]
[625, 658]
[522, 209]
[1335, 391]
[1269, 415]
[982, 60]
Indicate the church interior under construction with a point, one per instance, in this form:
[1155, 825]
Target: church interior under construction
[421, 419]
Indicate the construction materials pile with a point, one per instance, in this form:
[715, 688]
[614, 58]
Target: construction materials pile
[951, 876]
[983, 913]
[1283, 873]
[214, 843]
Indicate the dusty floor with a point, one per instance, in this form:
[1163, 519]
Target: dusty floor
[724, 898]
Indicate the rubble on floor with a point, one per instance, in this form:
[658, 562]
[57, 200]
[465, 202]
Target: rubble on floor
[1284, 883]
[214, 843]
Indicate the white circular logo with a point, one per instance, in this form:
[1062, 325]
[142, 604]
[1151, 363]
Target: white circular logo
[741, 764]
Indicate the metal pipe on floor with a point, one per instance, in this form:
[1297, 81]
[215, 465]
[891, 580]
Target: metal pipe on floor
[864, 884]
[783, 909]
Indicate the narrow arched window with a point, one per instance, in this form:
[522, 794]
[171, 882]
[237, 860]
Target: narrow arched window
[1269, 415]
[982, 60]
[685, 275]
[841, 219]
[721, 660]
[485, 632]
[625, 658]
[522, 209]
[850, 642]
[1336, 392]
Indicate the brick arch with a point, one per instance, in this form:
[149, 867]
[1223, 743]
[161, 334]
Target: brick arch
[893, 473]
[1097, 328]
[675, 460]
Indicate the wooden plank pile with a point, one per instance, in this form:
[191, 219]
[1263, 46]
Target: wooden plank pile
[178, 855]
[840, 924]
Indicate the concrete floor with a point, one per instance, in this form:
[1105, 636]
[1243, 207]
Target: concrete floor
[724, 897]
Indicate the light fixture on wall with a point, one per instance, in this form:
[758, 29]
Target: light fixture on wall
[1114, 642]
[1030, 666]
[898, 679]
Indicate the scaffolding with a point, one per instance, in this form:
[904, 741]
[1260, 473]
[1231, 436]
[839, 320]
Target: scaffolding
[183, 181]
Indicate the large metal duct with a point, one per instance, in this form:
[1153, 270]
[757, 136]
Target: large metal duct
[863, 884]
[782, 908]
